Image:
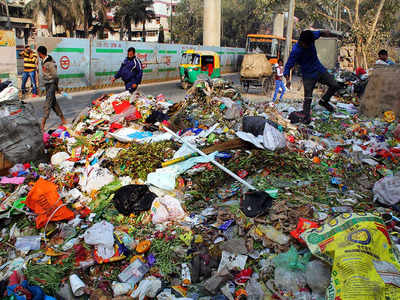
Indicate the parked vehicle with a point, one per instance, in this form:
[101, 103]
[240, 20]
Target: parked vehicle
[198, 63]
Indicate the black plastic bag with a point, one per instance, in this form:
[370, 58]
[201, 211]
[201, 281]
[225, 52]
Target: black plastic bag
[256, 203]
[133, 198]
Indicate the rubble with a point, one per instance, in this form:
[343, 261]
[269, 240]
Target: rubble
[123, 210]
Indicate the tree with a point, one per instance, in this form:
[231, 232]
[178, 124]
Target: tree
[161, 34]
[239, 18]
[100, 22]
[52, 9]
[136, 11]
[368, 22]
[188, 22]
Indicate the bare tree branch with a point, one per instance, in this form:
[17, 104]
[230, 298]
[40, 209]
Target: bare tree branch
[333, 18]
[378, 14]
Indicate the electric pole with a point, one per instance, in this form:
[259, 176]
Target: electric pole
[289, 32]
[8, 15]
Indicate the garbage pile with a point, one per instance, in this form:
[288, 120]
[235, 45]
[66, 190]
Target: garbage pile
[136, 202]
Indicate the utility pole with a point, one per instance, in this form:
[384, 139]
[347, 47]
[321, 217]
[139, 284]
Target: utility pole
[289, 32]
[8, 15]
[170, 30]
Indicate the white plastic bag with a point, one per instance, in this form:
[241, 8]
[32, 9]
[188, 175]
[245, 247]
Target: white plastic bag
[148, 287]
[9, 93]
[166, 209]
[273, 138]
[95, 178]
[387, 190]
[102, 235]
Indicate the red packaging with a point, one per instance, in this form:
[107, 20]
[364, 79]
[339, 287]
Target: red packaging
[120, 107]
[302, 226]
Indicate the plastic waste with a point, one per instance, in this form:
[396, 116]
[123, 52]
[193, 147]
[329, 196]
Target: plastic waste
[289, 270]
[121, 288]
[134, 272]
[58, 158]
[254, 289]
[166, 209]
[27, 243]
[231, 261]
[387, 190]
[273, 234]
[102, 235]
[148, 287]
[358, 242]
[77, 285]
[303, 294]
[67, 96]
[95, 178]
[318, 276]
[133, 198]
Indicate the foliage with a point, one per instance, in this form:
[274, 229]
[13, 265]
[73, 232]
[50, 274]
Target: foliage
[188, 22]
[239, 19]
[137, 11]
[369, 23]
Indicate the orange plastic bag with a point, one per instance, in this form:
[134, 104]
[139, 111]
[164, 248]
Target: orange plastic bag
[44, 200]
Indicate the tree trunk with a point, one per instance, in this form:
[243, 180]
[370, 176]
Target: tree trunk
[377, 16]
[85, 26]
[50, 20]
[144, 31]
[68, 33]
[129, 33]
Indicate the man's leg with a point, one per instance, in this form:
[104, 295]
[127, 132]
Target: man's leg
[304, 115]
[47, 106]
[330, 81]
[32, 75]
[25, 76]
[54, 103]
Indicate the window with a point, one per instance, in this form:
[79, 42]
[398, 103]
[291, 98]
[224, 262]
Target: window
[137, 34]
[152, 33]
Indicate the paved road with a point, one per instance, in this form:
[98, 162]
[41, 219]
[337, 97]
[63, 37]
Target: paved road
[80, 100]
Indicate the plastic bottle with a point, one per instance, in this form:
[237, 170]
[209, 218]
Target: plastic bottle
[273, 234]
[66, 95]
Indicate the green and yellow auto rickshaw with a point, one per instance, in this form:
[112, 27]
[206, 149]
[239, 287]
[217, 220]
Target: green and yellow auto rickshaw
[195, 64]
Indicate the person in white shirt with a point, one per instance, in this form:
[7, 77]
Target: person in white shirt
[279, 84]
[384, 59]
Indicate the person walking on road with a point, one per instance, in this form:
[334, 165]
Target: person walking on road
[30, 69]
[49, 79]
[279, 84]
[304, 53]
[131, 71]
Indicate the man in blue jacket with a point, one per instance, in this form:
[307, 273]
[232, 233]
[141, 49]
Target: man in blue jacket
[131, 71]
[304, 53]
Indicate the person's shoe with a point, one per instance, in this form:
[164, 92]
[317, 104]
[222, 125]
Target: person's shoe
[326, 105]
[34, 95]
[300, 117]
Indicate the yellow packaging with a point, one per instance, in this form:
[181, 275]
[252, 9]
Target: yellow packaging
[364, 263]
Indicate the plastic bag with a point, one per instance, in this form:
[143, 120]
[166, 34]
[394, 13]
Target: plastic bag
[10, 93]
[27, 243]
[148, 287]
[102, 235]
[133, 198]
[359, 248]
[318, 276]
[58, 158]
[289, 272]
[166, 209]
[44, 200]
[387, 190]
[20, 134]
[254, 289]
[273, 138]
[95, 179]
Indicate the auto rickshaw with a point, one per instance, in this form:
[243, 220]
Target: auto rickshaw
[196, 63]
